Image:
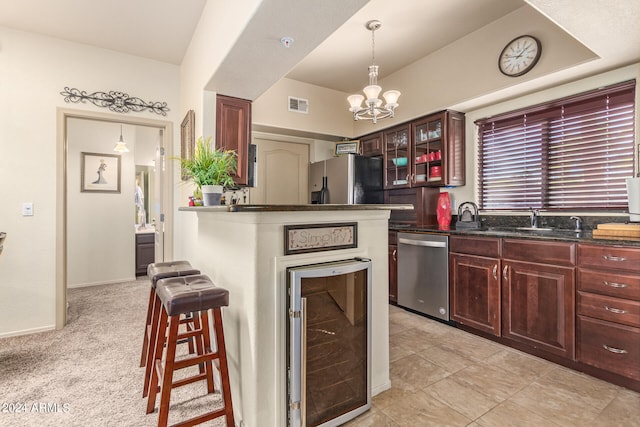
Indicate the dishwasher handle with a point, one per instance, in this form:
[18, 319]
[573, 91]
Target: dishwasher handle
[427, 243]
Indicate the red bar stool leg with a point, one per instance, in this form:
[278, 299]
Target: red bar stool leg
[224, 367]
[206, 337]
[153, 385]
[145, 342]
[155, 332]
[167, 375]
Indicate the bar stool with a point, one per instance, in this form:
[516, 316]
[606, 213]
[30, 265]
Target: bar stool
[181, 295]
[156, 272]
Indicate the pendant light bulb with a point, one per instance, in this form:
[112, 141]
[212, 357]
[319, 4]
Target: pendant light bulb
[121, 146]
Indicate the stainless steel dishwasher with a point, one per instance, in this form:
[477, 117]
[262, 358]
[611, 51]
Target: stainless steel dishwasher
[423, 273]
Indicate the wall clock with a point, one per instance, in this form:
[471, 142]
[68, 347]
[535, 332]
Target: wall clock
[519, 56]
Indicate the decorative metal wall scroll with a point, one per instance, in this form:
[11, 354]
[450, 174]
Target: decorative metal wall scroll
[118, 102]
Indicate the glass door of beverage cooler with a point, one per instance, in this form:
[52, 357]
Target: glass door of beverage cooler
[328, 342]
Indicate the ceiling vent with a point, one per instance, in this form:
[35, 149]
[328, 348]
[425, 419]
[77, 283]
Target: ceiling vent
[298, 105]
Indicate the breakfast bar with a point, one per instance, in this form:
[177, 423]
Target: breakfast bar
[245, 249]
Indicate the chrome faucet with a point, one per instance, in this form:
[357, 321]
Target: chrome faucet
[578, 221]
[534, 217]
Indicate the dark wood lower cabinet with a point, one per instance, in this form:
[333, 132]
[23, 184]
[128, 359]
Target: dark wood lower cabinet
[608, 308]
[475, 292]
[145, 252]
[609, 346]
[393, 268]
[474, 282]
[538, 306]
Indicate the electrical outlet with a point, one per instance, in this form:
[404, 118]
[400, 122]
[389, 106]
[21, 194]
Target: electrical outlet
[27, 209]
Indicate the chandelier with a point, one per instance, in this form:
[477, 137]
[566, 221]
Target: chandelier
[373, 109]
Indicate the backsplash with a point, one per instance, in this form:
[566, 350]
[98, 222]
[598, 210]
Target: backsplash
[562, 222]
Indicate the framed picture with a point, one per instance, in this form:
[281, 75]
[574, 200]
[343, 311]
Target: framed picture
[348, 147]
[300, 239]
[99, 173]
[187, 138]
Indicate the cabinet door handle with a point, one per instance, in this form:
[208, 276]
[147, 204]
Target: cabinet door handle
[614, 350]
[495, 272]
[614, 258]
[505, 270]
[614, 284]
[614, 310]
[393, 254]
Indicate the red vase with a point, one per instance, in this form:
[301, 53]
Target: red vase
[443, 211]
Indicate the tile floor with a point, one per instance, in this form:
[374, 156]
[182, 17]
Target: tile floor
[442, 376]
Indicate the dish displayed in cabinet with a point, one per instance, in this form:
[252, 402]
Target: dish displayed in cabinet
[433, 147]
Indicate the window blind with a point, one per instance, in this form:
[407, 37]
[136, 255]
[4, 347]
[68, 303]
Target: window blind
[572, 153]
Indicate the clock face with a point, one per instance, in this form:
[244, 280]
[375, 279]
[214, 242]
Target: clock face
[519, 56]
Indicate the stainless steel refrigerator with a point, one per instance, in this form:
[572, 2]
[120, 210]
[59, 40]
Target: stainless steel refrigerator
[350, 179]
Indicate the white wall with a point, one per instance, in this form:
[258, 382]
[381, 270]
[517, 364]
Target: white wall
[469, 191]
[33, 72]
[462, 71]
[328, 109]
[100, 226]
[220, 25]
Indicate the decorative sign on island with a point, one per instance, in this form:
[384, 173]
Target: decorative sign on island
[319, 237]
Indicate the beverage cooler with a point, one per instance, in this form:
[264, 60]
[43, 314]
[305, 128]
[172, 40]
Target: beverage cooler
[328, 342]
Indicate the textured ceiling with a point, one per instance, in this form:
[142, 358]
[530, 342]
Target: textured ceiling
[156, 29]
[331, 47]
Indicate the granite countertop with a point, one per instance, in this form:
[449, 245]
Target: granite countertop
[294, 208]
[555, 234]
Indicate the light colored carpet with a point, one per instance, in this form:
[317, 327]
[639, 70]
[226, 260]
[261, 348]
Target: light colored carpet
[87, 374]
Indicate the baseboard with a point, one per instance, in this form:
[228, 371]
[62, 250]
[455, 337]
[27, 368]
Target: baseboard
[27, 331]
[110, 282]
[379, 389]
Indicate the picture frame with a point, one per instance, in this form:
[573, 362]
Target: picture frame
[306, 238]
[100, 173]
[187, 137]
[348, 147]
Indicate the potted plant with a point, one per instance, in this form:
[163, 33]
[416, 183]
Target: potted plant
[210, 170]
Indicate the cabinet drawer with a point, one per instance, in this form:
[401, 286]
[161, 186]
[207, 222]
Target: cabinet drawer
[145, 238]
[609, 283]
[555, 253]
[613, 257]
[481, 246]
[609, 346]
[608, 308]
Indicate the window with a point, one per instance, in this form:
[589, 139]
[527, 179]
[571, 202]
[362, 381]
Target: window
[572, 153]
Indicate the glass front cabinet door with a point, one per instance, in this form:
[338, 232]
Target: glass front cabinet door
[429, 151]
[397, 157]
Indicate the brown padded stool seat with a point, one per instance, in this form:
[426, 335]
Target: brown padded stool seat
[163, 270]
[190, 293]
[158, 271]
[198, 295]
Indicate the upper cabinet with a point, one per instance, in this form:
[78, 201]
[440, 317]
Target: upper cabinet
[371, 145]
[426, 152]
[397, 153]
[233, 131]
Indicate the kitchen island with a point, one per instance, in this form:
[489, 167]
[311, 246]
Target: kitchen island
[242, 249]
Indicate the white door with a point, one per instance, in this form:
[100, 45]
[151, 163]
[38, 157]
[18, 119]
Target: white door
[283, 169]
[157, 211]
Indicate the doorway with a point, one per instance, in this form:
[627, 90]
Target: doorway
[283, 173]
[104, 216]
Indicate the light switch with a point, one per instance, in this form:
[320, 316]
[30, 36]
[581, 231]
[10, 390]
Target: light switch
[27, 209]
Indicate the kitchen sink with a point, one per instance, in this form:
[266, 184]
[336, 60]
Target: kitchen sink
[534, 229]
[544, 231]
